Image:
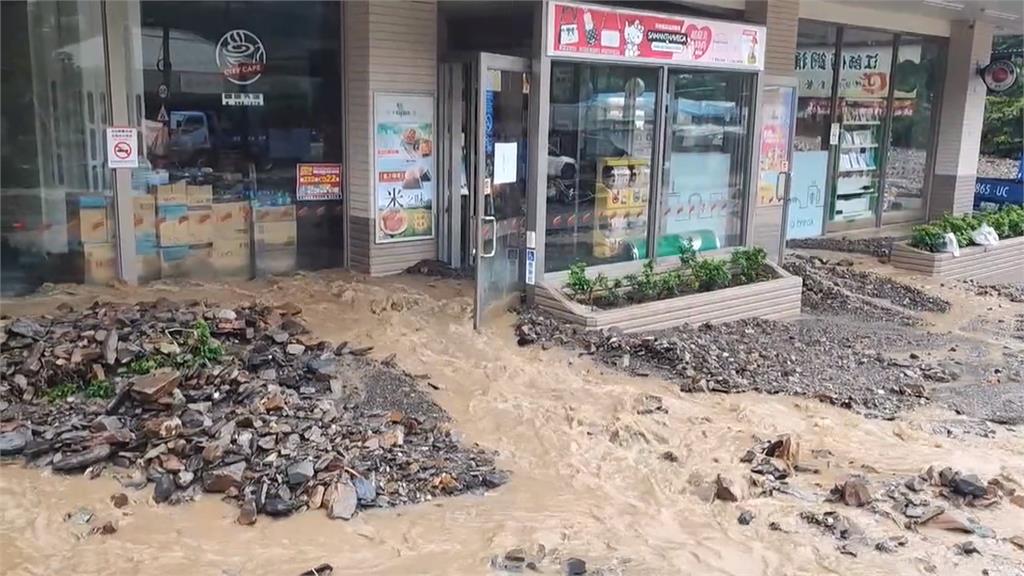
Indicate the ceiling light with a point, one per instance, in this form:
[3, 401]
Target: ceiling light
[1002, 15]
[947, 4]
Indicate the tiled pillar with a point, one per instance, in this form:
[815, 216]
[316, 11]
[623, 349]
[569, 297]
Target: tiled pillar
[960, 122]
[781, 18]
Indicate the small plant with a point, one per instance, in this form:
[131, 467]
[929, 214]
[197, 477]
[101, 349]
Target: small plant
[62, 391]
[710, 274]
[646, 283]
[749, 263]
[670, 283]
[141, 366]
[687, 253]
[207, 350]
[928, 237]
[960, 226]
[579, 285]
[99, 389]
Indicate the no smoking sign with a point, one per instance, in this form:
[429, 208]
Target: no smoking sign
[122, 148]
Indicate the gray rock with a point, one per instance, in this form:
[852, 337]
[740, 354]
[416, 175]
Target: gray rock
[300, 472]
[247, 513]
[575, 567]
[295, 349]
[745, 518]
[278, 507]
[13, 442]
[27, 328]
[343, 500]
[224, 478]
[366, 491]
[84, 459]
[968, 485]
[164, 488]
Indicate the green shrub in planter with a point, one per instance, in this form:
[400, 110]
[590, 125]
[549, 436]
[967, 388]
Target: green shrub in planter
[749, 263]
[927, 237]
[711, 274]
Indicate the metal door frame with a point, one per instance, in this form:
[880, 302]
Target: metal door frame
[486, 61]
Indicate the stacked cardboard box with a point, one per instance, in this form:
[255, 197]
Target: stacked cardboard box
[274, 236]
[91, 229]
[184, 229]
[231, 247]
[147, 248]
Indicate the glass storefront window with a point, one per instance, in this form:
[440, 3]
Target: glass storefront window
[57, 221]
[239, 101]
[600, 148]
[916, 80]
[863, 110]
[814, 65]
[706, 160]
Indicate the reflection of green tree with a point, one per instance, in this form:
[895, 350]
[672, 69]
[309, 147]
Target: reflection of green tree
[1002, 133]
[914, 131]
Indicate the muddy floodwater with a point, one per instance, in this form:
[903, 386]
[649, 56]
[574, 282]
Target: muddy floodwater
[587, 477]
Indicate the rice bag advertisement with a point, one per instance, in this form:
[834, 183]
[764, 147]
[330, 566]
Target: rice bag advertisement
[403, 167]
[603, 32]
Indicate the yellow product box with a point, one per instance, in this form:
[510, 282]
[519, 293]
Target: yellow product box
[274, 213]
[100, 263]
[144, 213]
[93, 226]
[148, 267]
[200, 225]
[276, 260]
[200, 195]
[231, 256]
[185, 261]
[176, 193]
[230, 218]
[275, 234]
[172, 225]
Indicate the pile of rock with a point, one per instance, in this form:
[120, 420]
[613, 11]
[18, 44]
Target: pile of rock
[836, 288]
[242, 402]
[880, 246]
[1011, 292]
[840, 364]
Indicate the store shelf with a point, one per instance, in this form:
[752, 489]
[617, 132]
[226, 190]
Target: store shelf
[853, 170]
[863, 123]
[856, 193]
[856, 146]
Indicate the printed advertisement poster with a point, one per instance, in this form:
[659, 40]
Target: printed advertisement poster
[317, 182]
[865, 73]
[586, 31]
[700, 202]
[776, 127]
[807, 194]
[404, 176]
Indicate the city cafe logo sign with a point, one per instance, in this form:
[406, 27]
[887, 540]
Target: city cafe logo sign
[241, 56]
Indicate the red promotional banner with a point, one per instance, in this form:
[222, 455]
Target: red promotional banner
[317, 182]
[601, 33]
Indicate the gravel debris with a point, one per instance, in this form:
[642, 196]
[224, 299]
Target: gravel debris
[192, 398]
[880, 246]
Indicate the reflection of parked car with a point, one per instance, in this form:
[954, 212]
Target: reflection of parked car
[561, 176]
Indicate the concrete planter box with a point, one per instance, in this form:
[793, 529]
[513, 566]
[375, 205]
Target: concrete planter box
[778, 298]
[1001, 263]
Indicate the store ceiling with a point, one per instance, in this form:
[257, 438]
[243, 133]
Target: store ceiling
[1006, 15]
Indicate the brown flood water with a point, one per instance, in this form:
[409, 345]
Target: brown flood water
[586, 476]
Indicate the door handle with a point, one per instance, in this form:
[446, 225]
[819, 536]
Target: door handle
[780, 192]
[494, 237]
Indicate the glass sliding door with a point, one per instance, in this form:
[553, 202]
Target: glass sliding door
[864, 111]
[57, 222]
[815, 70]
[916, 80]
[706, 160]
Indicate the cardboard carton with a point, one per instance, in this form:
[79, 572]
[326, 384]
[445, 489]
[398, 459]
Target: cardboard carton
[146, 244]
[172, 224]
[231, 257]
[200, 195]
[93, 226]
[229, 218]
[276, 260]
[275, 234]
[148, 266]
[172, 194]
[186, 261]
[200, 225]
[144, 214]
[274, 213]
[100, 263]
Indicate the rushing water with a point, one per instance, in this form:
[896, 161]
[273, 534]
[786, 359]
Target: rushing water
[587, 479]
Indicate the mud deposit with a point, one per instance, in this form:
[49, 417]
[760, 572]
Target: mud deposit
[587, 450]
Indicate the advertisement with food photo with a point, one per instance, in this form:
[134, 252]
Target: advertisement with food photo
[404, 167]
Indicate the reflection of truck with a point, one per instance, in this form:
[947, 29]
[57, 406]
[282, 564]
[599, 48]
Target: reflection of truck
[999, 191]
[197, 136]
